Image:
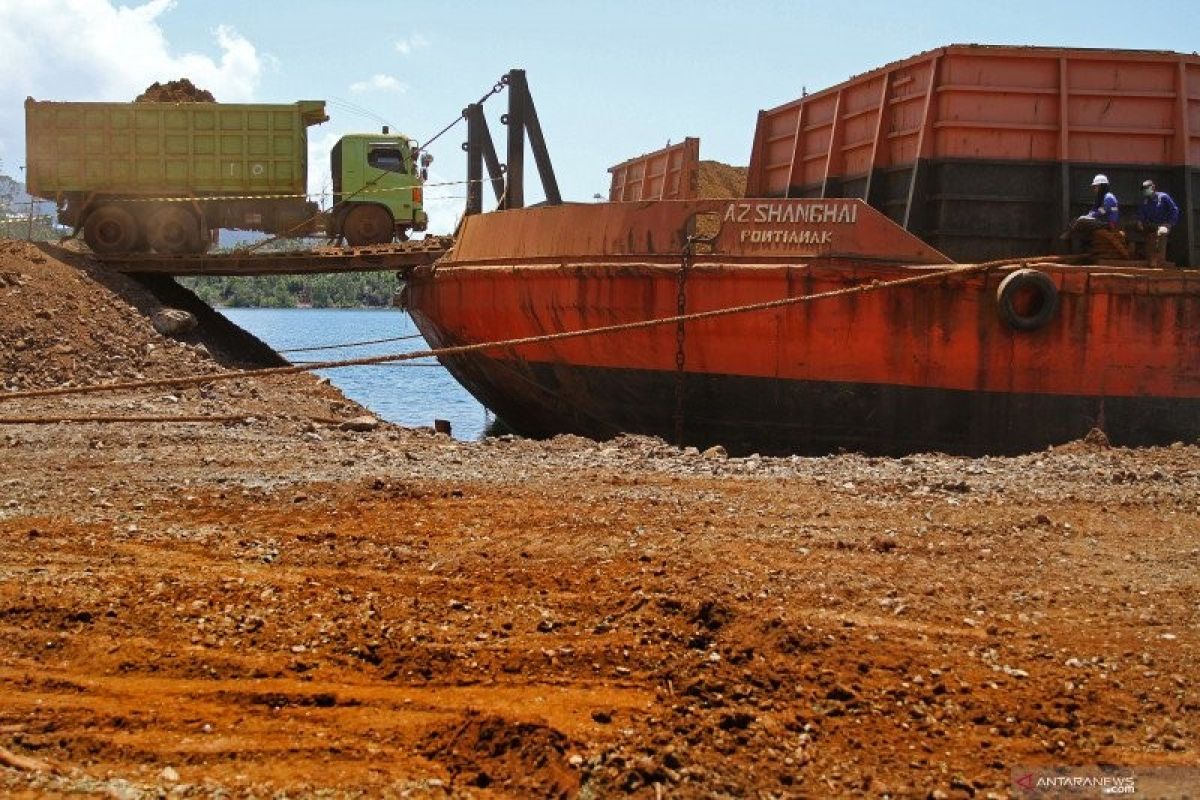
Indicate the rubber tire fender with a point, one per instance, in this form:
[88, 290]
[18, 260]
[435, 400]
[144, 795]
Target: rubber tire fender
[1019, 281]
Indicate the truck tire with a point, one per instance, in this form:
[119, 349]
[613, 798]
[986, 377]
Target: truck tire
[111, 229]
[367, 224]
[173, 230]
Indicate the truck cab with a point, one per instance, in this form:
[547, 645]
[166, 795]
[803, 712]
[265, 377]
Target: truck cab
[377, 194]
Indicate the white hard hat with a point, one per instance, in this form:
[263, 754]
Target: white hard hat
[1099, 179]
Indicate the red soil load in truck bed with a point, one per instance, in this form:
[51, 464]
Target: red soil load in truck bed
[180, 91]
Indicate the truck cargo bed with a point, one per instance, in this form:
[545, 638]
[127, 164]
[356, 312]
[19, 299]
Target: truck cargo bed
[168, 149]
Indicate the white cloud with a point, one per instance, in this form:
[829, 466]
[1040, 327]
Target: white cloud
[320, 144]
[97, 50]
[379, 83]
[406, 45]
[445, 204]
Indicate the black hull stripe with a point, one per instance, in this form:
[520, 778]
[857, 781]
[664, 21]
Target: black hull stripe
[774, 416]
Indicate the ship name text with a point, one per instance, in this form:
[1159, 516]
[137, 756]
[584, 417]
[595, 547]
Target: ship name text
[768, 213]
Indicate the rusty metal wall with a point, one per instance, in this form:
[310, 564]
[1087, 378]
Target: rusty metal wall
[667, 174]
[756, 230]
[988, 151]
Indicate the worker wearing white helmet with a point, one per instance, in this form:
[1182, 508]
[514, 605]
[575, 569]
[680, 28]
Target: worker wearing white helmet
[1105, 212]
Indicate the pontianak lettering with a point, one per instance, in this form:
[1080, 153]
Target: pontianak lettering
[774, 213]
[784, 236]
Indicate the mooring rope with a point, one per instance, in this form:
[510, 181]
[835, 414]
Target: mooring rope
[348, 344]
[79, 419]
[268, 372]
[109, 418]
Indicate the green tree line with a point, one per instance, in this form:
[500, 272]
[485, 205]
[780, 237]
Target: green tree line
[340, 290]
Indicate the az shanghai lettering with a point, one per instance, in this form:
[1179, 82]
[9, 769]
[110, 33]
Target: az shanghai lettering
[767, 213]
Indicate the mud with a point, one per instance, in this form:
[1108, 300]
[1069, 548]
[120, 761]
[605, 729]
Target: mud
[279, 605]
[482, 750]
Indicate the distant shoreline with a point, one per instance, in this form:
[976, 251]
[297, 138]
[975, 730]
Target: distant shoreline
[318, 290]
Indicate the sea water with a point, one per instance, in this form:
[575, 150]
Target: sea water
[407, 395]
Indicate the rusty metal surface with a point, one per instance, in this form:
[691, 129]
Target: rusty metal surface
[667, 174]
[977, 102]
[379, 258]
[768, 230]
[987, 152]
[930, 366]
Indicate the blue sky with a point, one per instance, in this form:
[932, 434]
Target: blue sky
[610, 80]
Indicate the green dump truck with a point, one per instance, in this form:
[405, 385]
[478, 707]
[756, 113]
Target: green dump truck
[167, 176]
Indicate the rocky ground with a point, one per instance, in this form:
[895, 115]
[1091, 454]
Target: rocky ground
[271, 603]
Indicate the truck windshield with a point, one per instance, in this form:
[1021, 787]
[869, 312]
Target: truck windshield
[390, 159]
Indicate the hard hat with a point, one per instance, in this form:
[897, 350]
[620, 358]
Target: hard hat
[1099, 179]
[1147, 184]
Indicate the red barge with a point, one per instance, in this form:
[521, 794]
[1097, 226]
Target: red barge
[931, 366]
[958, 155]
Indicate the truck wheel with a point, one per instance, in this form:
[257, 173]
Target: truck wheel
[368, 224]
[111, 229]
[173, 230]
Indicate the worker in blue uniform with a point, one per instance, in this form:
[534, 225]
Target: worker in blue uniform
[1104, 214]
[1157, 214]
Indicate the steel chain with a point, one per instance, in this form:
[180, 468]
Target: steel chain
[496, 89]
[680, 358]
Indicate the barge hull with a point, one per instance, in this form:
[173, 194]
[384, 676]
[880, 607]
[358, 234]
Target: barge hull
[881, 345]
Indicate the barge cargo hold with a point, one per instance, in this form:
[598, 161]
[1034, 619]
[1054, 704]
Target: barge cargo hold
[931, 366]
[989, 151]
